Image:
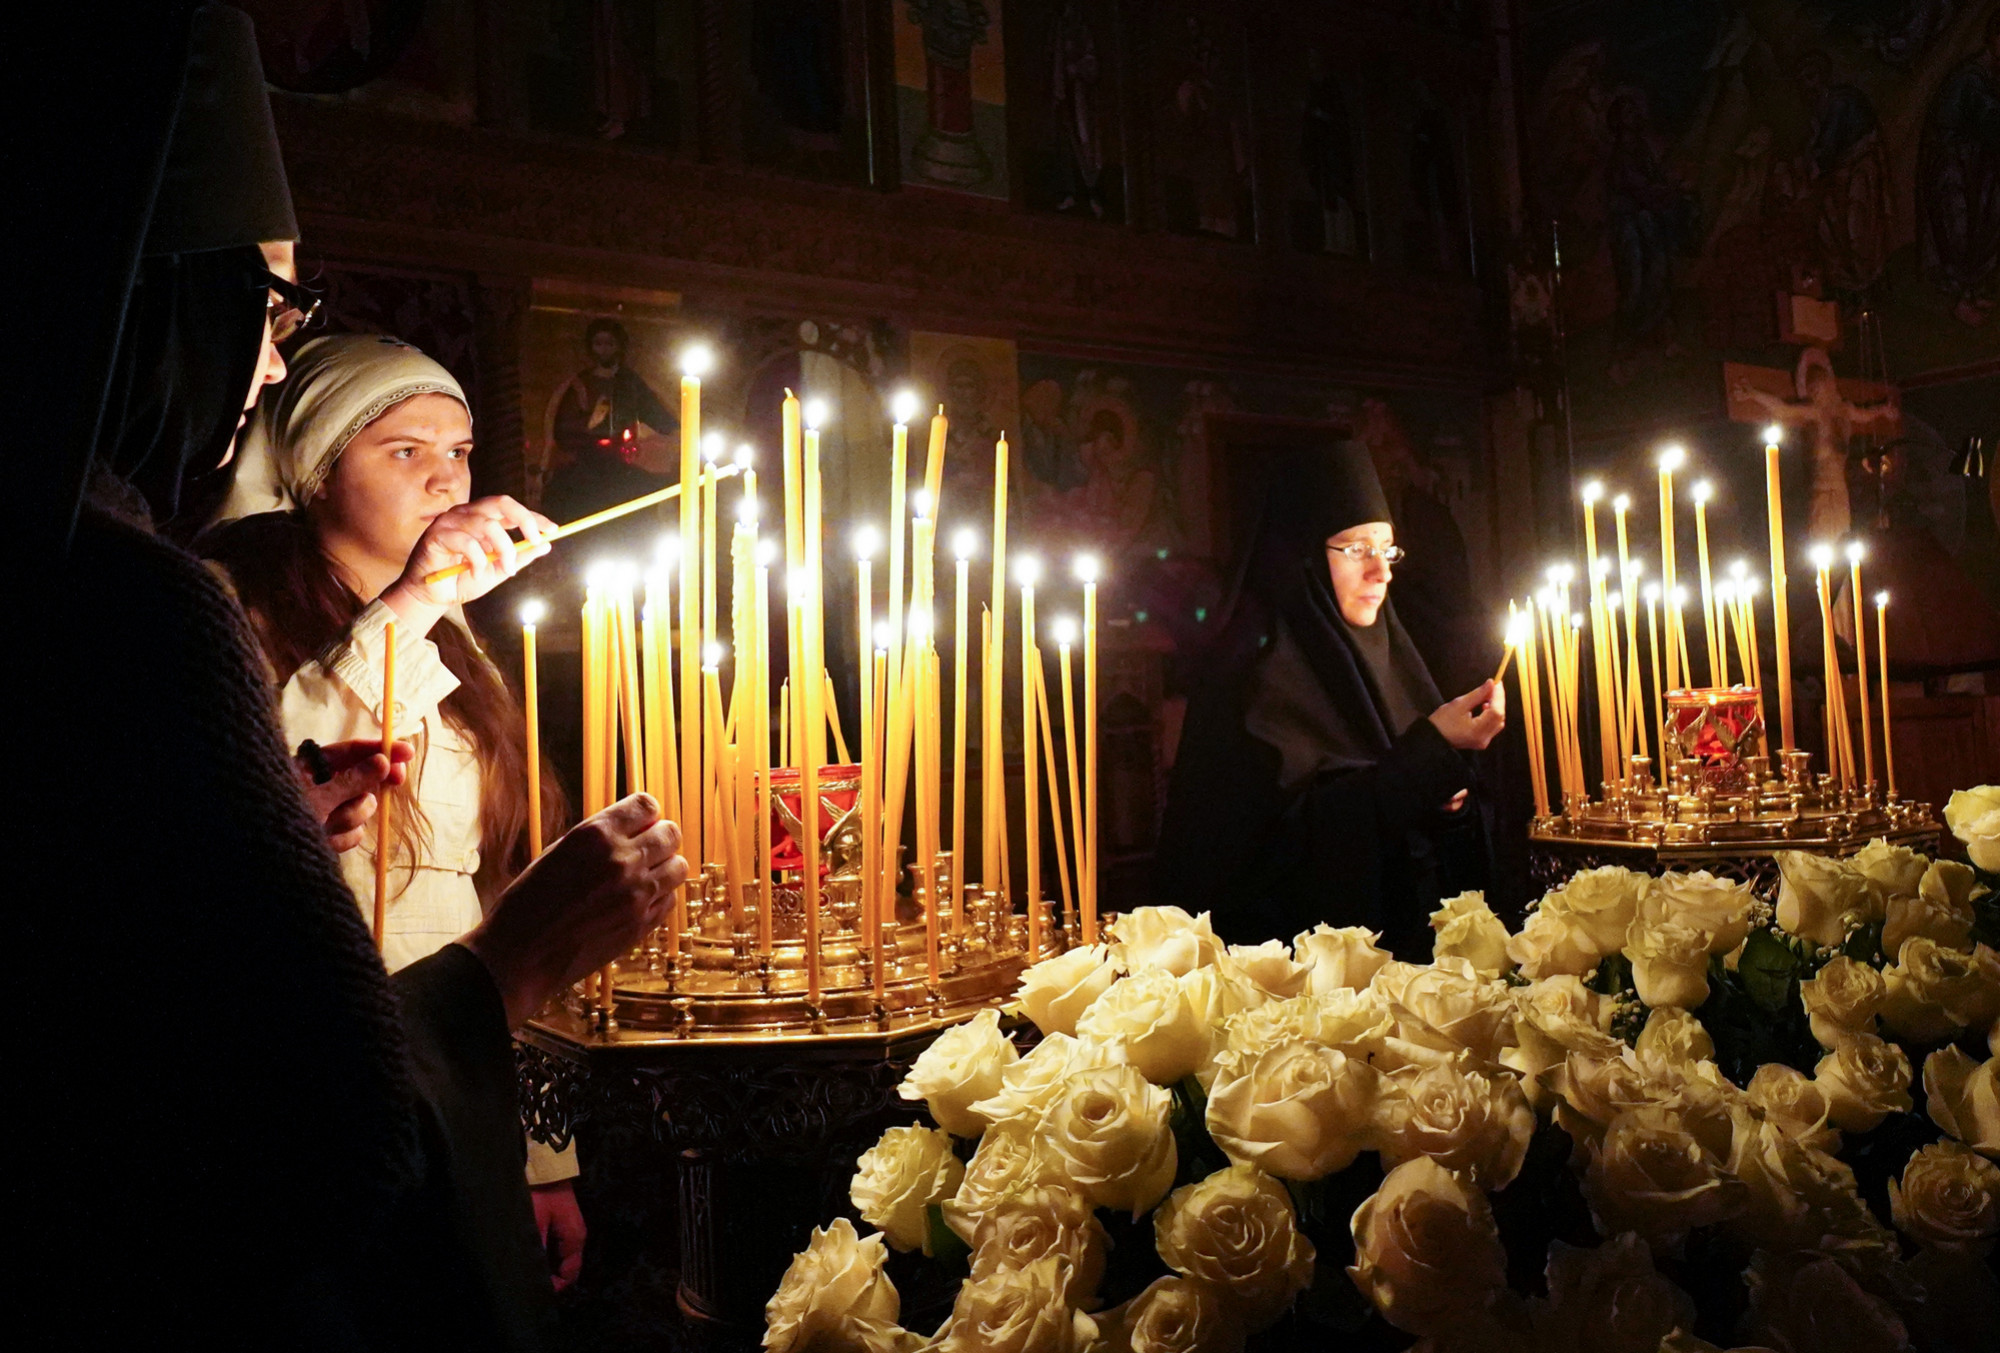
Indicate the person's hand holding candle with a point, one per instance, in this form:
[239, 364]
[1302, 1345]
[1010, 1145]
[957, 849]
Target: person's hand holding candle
[343, 783]
[476, 535]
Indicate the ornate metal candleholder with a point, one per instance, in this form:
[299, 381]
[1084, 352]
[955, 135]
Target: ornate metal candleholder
[1723, 804]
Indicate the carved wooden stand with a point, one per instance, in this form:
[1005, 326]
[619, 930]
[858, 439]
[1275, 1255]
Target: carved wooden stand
[705, 1168]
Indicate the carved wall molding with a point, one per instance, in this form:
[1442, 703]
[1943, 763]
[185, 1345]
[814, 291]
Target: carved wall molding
[429, 194]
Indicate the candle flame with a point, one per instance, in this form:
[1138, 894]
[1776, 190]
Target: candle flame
[1028, 570]
[1651, 592]
[711, 447]
[963, 542]
[624, 574]
[1600, 567]
[1562, 575]
[1612, 600]
[1856, 552]
[767, 553]
[1672, 456]
[746, 455]
[1679, 597]
[598, 576]
[920, 623]
[867, 541]
[1703, 491]
[1740, 568]
[815, 413]
[1065, 631]
[1576, 620]
[884, 635]
[746, 509]
[667, 552]
[1821, 556]
[1773, 435]
[696, 360]
[903, 407]
[711, 654]
[1518, 629]
[1881, 599]
[1085, 568]
[1725, 589]
[1593, 490]
[1635, 566]
[920, 502]
[532, 612]
[1751, 586]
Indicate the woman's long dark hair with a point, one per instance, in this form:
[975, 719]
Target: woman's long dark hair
[301, 606]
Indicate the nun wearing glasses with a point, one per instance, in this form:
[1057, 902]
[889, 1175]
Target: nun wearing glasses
[1321, 776]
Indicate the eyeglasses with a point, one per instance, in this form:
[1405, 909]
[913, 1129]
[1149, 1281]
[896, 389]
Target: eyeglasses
[290, 306]
[1361, 553]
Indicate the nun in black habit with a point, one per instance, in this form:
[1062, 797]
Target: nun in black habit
[232, 1129]
[1321, 777]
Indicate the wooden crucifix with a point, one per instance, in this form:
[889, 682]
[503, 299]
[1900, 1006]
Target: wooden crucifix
[1832, 409]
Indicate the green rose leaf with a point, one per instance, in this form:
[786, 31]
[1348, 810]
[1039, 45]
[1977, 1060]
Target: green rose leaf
[1767, 969]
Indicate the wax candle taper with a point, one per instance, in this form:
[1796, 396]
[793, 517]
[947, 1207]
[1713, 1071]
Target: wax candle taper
[1781, 636]
[531, 703]
[1703, 491]
[1086, 573]
[695, 362]
[1882, 649]
[962, 546]
[1672, 457]
[383, 803]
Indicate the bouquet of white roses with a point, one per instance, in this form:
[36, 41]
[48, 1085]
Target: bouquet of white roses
[1662, 1112]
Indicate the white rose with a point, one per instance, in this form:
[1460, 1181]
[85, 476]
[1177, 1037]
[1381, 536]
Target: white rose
[1934, 992]
[1787, 1096]
[1175, 1315]
[1700, 899]
[1037, 1223]
[1673, 1039]
[1801, 1301]
[961, 1067]
[1476, 1125]
[1298, 1110]
[1552, 1016]
[899, 1177]
[1607, 1300]
[1390, 979]
[1426, 1249]
[1262, 972]
[1602, 902]
[1974, 818]
[1056, 991]
[1211, 996]
[1467, 928]
[1553, 942]
[834, 1296]
[1818, 896]
[1865, 1080]
[1030, 1085]
[1166, 938]
[1941, 909]
[1948, 1195]
[1790, 1189]
[1011, 1157]
[1670, 963]
[1109, 1132]
[1016, 1310]
[1356, 1022]
[1596, 1085]
[1842, 998]
[1345, 958]
[1963, 1098]
[1649, 1174]
[1235, 1229]
[1450, 1007]
[1147, 1017]
[1889, 871]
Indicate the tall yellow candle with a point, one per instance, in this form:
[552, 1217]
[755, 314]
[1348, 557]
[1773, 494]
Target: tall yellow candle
[991, 759]
[1882, 649]
[761, 749]
[695, 363]
[711, 452]
[1056, 820]
[815, 598]
[962, 546]
[656, 693]
[1628, 587]
[904, 407]
[1855, 552]
[384, 803]
[1086, 573]
[880, 905]
[1672, 457]
[1834, 682]
[1065, 636]
[1703, 490]
[1724, 599]
[1531, 703]
[988, 839]
[808, 691]
[631, 713]
[1029, 571]
[531, 702]
[1781, 633]
[1659, 679]
[1600, 666]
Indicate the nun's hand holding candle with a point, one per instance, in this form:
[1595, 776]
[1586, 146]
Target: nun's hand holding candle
[1321, 776]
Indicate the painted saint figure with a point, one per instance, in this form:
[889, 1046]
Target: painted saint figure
[596, 426]
[1958, 183]
[1833, 421]
[1074, 92]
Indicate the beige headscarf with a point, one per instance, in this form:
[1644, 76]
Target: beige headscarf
[338, 385]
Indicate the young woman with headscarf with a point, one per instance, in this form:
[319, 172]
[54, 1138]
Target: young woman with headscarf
[1321, 778]
[353, 486]
[234, 1129]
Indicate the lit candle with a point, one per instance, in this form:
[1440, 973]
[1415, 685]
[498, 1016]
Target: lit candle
[531, 701]
[1835, 684]
[1629, 716]
[917, 664]
[1749, 591]
[1531, 707]
[1029, 571]
[1703, 490]
[656, 678]
[934, 460]
[1724, 597]
[815, 601]
[991, 760]
[1676, 621]
[711, 452]
[1671, 458]
[903, 408]
[1048, 740]
[761, 746]
[694, 363]
[963, 544]
[625, 636]
[1855, 551]
[880, 905]
[1600, 667]
[1544, 610]
[727, 849]
[808, 701]
[383, 802]
[593, 687]
[1781, 634]
[1882, 650]
[1086, 573]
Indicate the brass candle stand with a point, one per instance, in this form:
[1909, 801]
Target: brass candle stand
[1724, 804]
